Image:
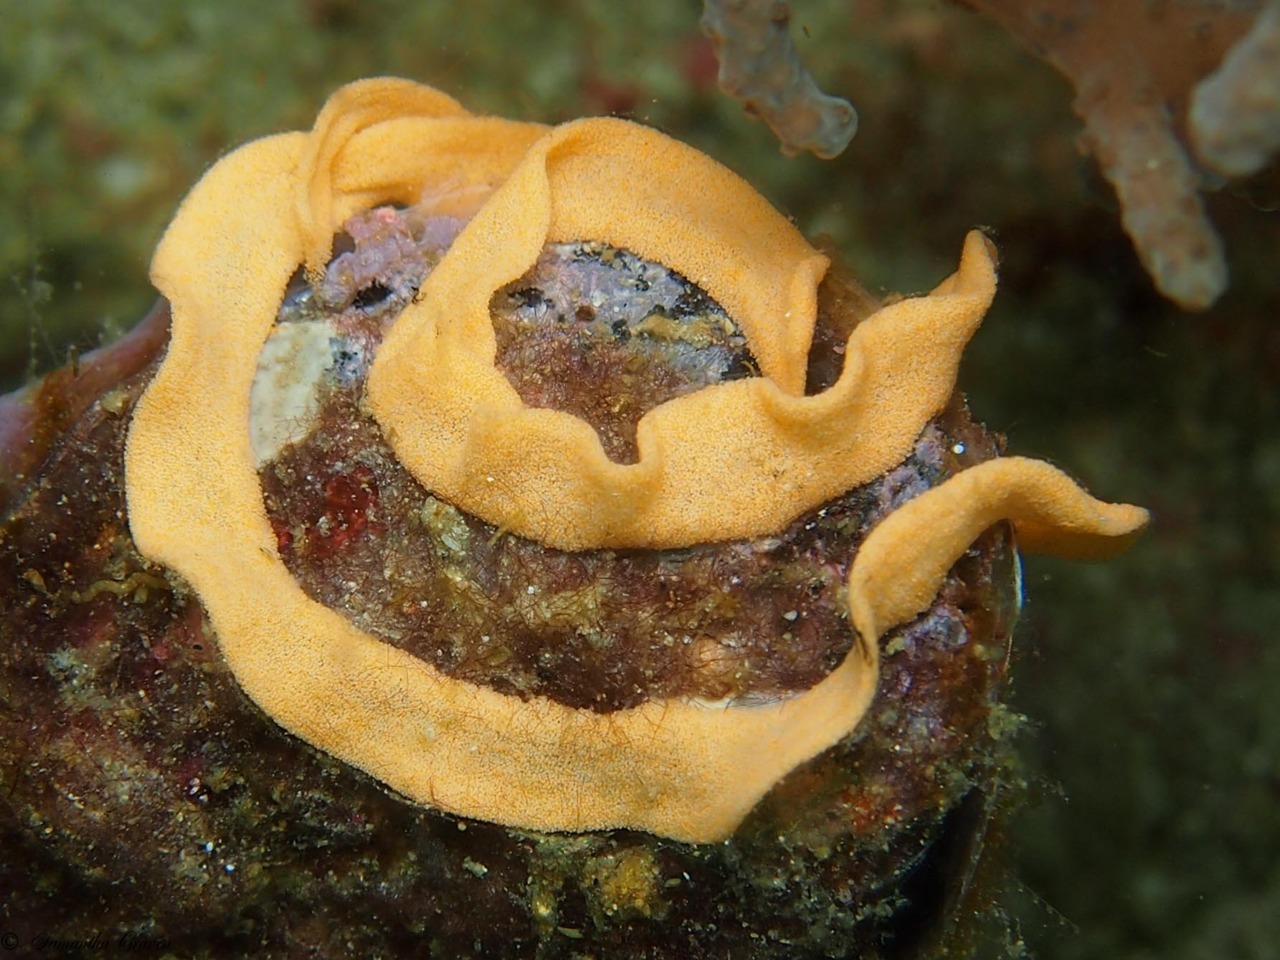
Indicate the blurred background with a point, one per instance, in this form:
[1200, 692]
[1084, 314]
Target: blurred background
[1151, 822]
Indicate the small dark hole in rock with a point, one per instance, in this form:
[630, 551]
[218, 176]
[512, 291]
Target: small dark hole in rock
[528, 297]
[740, 368]
[371, 296]
[343, 242]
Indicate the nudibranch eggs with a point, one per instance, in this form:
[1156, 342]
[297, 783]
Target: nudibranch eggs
[549, 498]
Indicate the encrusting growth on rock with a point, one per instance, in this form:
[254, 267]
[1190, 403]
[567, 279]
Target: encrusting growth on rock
[728, 460]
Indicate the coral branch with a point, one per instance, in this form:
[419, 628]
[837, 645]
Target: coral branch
[760, 67]
[1134, 66]
[1234, 118]
[1129, 131]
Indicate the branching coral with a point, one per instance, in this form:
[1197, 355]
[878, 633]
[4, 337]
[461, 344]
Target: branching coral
[760, 67]
[1235, 112]
[1142, 73]
[1134, 66]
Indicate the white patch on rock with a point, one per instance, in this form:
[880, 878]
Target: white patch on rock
[284, 403]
